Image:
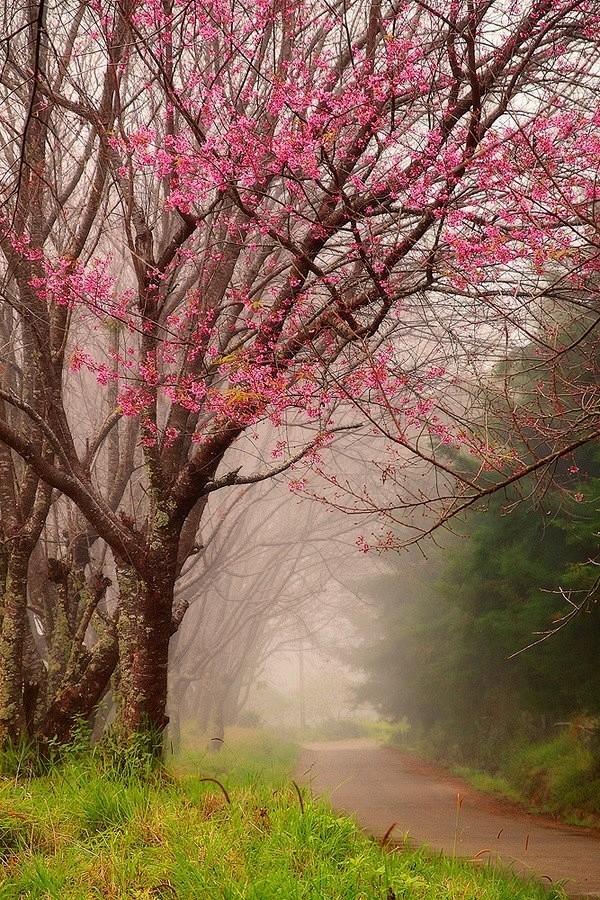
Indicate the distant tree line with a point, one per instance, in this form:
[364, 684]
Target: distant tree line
[491, 639]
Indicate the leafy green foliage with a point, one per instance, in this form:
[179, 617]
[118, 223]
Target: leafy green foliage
[444, 639]
[557, 776]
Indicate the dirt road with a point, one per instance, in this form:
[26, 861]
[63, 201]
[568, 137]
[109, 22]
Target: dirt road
[380, 786]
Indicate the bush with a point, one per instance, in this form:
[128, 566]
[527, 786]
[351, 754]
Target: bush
[559, 776]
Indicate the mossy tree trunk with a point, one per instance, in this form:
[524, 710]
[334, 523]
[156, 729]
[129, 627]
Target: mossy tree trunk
[80, 693]
[78, 676]
[24, 504]
[12, 642]
[145, 626]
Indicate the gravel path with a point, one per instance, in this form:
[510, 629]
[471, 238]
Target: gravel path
[380, 786]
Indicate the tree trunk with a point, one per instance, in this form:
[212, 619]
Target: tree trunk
[78, 696]
[216, 735]
[144, 629]
[34, 681]
[12, 640]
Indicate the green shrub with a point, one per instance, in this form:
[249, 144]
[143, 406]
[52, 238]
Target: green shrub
[559, 776]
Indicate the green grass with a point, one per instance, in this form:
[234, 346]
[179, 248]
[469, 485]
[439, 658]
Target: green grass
[228, 825]
[558, 777]
[489, 784]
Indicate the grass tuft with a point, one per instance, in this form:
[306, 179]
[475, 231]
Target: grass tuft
[86, 829]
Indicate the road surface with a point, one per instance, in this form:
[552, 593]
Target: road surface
[380, 786]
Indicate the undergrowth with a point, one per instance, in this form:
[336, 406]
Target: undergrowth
[226, 825]
[558, 777]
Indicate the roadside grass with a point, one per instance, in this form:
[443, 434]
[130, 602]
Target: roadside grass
[490, 784]
[216, 826]
[246, 753]
[558, 777]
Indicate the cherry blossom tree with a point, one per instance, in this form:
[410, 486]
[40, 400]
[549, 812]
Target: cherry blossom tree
[302, 219]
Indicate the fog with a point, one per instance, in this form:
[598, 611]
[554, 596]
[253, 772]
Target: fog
[270, 595]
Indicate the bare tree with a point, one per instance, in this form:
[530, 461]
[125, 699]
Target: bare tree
[257, 586]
